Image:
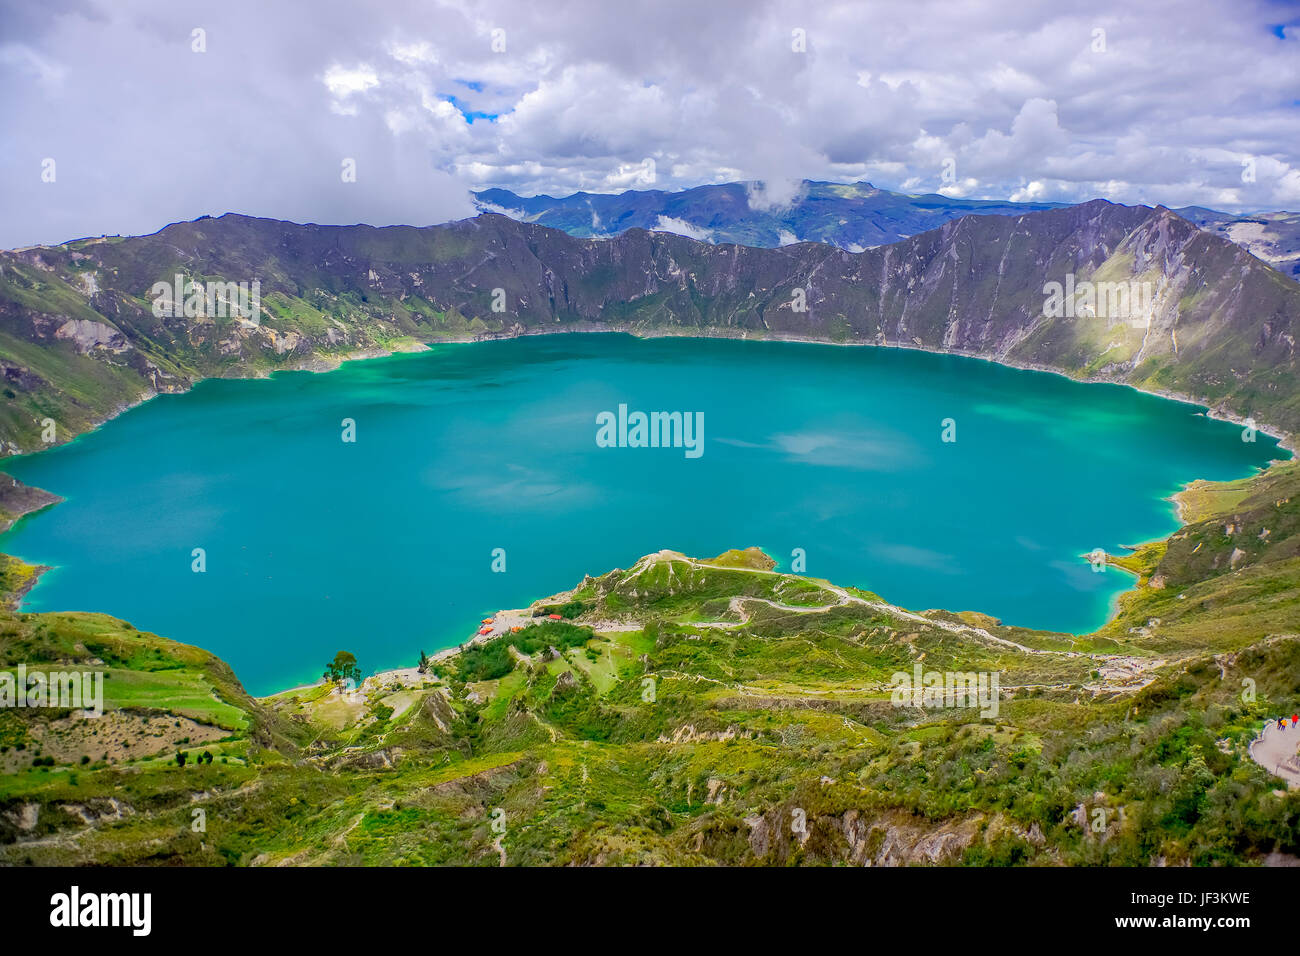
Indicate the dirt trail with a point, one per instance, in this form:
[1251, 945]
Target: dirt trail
[846, 598]
[1134, 666]
[1275, 751]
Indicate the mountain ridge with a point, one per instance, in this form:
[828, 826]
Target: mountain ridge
[852, 216]
[79, 340]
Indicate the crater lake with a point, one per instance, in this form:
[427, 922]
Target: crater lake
[473, 456]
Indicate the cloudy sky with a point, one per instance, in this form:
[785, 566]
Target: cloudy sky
[153, 111]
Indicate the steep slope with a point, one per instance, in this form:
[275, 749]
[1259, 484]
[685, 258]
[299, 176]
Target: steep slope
[79, 339]
[1271, 236]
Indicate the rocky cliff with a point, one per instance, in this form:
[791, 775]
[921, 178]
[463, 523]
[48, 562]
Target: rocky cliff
[1145, 298]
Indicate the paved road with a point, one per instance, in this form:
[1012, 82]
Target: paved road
[1274, 749]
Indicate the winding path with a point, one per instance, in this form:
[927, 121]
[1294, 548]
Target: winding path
[1275, 751]
[1126, 667]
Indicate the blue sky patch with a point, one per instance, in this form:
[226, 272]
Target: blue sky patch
[469, 114]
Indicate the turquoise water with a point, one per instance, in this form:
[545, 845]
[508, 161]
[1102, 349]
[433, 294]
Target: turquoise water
[384, 546]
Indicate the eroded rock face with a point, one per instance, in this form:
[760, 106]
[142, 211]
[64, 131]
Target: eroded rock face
[381, 759]
[97, 811]
[898, 840]
[868, 838]
[564, 684]
[88, 335]
[25, 816]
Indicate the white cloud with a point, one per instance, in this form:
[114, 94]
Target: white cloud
[773, 195]
[682, 228]
[640, 175]
[343, 81]
[1034, 191]
[412, 54]
[610, 97]
[961, 189]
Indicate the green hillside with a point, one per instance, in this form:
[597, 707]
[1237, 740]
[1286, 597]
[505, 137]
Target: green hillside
[704, 712]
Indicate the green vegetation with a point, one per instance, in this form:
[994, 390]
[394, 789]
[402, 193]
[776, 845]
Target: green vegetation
[681, 714]
[343, 668]
[568, 610]
[492, 659]
[16, 578]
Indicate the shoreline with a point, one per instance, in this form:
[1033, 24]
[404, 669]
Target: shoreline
[1285, 439]
[318, 363]
[17, 501]
[321, 363]
[502, 621]
[505, 617]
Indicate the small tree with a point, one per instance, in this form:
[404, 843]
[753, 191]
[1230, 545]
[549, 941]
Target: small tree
[343, 666]
[424, 663]
[180, 758]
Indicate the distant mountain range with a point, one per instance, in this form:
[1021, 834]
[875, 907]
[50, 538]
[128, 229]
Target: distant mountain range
[79, 338]
[852, 216]
[1272, 236]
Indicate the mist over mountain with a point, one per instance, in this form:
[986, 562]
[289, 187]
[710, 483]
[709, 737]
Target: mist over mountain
[852, 216]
